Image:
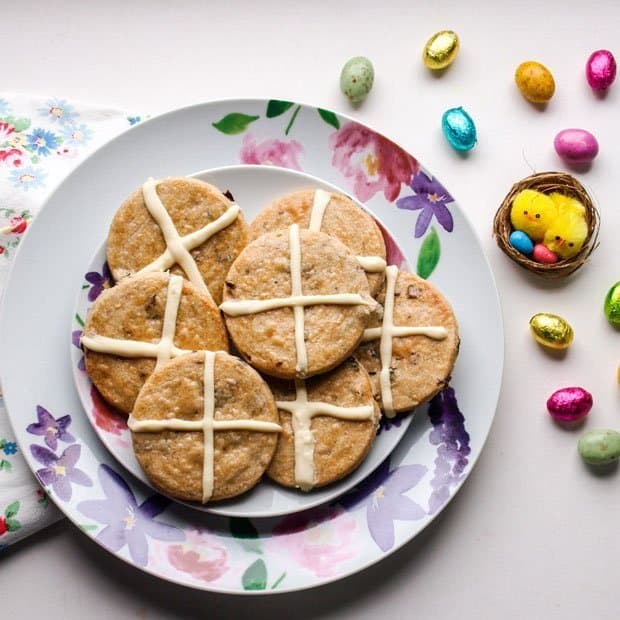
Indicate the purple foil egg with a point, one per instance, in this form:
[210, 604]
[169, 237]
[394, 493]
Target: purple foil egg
[601, 70]
[569, 404]
[576, 146]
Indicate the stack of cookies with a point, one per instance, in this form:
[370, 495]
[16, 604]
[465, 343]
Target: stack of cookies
[326, 338]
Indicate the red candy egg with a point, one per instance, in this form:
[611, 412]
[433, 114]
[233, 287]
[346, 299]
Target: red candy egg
[543, 254]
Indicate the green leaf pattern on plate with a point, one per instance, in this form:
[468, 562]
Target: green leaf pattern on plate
[429, 254]
[234, 123]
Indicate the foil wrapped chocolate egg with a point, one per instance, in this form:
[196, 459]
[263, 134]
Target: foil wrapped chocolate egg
[601, 70]
[569, 404]
[612, 305]
[459, 129]
[599, 446]
[440, 50]
[551, 331]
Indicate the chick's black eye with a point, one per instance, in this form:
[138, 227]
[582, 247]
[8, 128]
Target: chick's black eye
[557, 237]
[571, 245]
[524, 212]
[538, 216]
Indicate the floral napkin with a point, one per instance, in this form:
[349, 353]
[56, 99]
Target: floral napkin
[41, 140]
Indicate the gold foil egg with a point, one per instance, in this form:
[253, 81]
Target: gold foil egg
[551, 330]
[440, 50]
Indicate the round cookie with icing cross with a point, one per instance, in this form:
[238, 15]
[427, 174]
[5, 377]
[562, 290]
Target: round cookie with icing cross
[296, 303]
[141, 323]
[329, 423]
[179, 224]
[204, 427]
[333, 214]
[410, 348]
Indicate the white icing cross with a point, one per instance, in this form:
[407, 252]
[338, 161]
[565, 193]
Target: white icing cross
[207, 425]
[163, 350]
[177, 247]
[321, 199]
[387, 331]
[297, 300]
[302, 411]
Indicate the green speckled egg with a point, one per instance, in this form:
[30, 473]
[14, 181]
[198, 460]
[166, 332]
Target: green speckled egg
[612, 305]
[356, 78]
[600, 446]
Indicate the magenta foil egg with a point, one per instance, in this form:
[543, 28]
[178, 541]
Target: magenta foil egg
[569, 404]
[576, 146]
[601, 69]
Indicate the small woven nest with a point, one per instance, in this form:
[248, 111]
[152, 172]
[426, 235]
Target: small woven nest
[547, 182]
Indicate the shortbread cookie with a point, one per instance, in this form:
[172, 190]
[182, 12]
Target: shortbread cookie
[334, 214]
[296, 303]
[181, 224]
[140, 323]
[204, 427]
[410, 348]
[328, 424]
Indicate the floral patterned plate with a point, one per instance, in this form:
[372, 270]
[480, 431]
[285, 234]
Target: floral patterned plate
[232, 554]
[253, 187]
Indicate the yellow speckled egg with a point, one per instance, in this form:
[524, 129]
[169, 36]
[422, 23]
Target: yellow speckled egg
[440, 50]
[551, 330]
[535, 81]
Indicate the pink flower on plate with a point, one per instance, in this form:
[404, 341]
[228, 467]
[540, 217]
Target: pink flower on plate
[106, 417]
[14, 158]
[317, 539]
[372, 162]
[271, 152]
[200, 556]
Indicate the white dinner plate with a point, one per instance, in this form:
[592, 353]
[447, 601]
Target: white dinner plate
[234, 554]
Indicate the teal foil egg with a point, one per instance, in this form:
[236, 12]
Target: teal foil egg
[459, 129]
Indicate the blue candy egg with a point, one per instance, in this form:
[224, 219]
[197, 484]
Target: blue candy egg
[521, 242]
[459, 129]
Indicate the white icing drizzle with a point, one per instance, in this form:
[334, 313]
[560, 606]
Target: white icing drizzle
[294, 244]
[319, 204]
[241, 307]
[208, 440]
[302, 411]
[320, 201]
[372, 264]
[297, 301]
[173, 299]
[177, 247]
[207, 425]
[387, 331]
[163, 350]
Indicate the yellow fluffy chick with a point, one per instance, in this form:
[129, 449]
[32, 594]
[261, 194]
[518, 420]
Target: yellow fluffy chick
[566, 235]
[533, 212]
[566, 204]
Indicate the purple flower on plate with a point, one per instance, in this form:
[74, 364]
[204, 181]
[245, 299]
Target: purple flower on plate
[51, 429]
[382, 493]
[75, 341]
[98, 281]
[452, 441]
[60, 471]
[128, 523]
[385, 423]
[430, 199]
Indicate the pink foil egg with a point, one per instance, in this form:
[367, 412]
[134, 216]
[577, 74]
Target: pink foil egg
[601, 70]
[576, 146]
[569, 404]
[542, 254]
